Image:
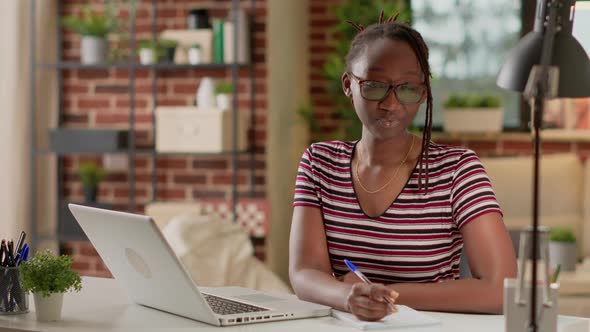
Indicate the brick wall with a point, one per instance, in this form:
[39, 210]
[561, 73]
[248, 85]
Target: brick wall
[321, 42]
[100, 99]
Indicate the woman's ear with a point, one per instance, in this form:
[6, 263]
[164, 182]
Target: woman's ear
[346, 85]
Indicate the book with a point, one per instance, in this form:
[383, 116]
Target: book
[404, 317]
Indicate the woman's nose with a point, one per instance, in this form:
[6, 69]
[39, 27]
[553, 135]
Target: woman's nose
[390, 102]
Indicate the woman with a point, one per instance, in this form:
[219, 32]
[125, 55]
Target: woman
[398, 206]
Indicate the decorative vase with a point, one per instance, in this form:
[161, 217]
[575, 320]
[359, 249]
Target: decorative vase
[223, 101]
[48, 309]
[206, 93]
[90, 194]
[147, 56]
[93, 50]
[564, 254]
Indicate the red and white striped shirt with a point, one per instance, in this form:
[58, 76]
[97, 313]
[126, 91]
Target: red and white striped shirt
[417, 239]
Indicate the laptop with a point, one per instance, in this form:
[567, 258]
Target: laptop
[140, 259]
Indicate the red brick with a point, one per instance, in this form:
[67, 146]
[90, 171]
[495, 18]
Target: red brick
[146, 88]
[147, 178]
[75, 118]
[124, 192]
[227, 179]
[172, 102]
[512, 146]
[75, 88]
[210, 164]
[190, 179]
[112, 88]
[93, 103]
[202, 194]
[92, 74]
[172, 163]
[185, 88]
[81, 266]
[171, 194]
[548, 147]
[125, 103]
[87, 249]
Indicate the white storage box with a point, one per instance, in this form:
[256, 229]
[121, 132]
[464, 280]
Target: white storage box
[190, 129]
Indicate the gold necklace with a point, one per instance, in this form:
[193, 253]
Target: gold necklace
[358, 178]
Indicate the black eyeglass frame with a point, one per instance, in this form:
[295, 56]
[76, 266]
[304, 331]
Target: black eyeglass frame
[391, 87]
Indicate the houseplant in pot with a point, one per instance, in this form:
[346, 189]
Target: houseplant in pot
[473, 113]
[90, 175]
[562, 248]
[223, 92]
[167, 48]
[148, 51]
[48, 277]
[94, 28]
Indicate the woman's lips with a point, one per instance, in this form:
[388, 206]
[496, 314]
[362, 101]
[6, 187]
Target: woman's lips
[387, 122]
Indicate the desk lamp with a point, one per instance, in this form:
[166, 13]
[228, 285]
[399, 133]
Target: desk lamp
[546, 63]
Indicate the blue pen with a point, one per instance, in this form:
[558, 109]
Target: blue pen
[366, 280]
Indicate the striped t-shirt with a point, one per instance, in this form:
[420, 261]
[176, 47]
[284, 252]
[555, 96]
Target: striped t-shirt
[417, 239]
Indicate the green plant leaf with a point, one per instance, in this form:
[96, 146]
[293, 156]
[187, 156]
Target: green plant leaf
[92, 22]
[562, 234]
[46, 273]
[224, 87]
[90, 174]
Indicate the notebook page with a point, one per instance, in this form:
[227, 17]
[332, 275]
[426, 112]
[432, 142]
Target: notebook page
[405, 317]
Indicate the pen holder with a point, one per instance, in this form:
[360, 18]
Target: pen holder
[13, 299]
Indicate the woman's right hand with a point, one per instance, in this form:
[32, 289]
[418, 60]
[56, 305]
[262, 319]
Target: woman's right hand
[367, 301]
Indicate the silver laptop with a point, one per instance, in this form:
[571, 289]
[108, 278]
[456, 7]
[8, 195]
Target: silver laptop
[141, 260]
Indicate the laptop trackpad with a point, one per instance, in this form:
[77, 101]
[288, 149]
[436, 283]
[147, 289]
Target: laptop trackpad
[258, 298]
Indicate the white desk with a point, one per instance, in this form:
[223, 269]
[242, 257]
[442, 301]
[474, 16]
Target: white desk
[103, 306]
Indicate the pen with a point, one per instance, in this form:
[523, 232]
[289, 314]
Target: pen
[20, 242]
[366, 280]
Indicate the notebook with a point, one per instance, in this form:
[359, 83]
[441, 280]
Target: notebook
[404, 317]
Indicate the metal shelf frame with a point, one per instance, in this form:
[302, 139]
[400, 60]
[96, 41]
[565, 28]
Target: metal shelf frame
[60, 66]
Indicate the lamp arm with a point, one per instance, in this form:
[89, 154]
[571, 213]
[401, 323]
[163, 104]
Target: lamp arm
[537, 91]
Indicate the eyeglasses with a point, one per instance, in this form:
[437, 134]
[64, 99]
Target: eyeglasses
[406, 93]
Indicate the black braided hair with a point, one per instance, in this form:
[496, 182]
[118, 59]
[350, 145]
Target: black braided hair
[394, 30]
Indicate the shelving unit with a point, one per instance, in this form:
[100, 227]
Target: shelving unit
[131, 151]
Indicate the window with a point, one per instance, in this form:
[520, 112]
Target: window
[581, 28]
[468, 41]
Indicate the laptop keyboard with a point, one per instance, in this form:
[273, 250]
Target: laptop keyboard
[223, 306]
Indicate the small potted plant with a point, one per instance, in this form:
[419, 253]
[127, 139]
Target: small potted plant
[94, 28]
[562, 248]
[48, 277]
[194, 54]
[473, 114]
[148, 52]
[90, 176]
[168, 49]
[223, 92]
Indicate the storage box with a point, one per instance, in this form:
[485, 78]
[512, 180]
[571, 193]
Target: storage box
[66, 140]
[191, 129]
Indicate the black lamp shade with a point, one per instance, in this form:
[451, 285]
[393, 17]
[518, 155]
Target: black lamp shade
[568, 55]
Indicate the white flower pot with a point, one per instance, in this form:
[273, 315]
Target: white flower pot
[48, 309]
[194, 56]
[473, 120]
[223, 101]
[563, 253]
[147, 56]
[93, 50]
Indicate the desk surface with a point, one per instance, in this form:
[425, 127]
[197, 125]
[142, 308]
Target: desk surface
[103, 306]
